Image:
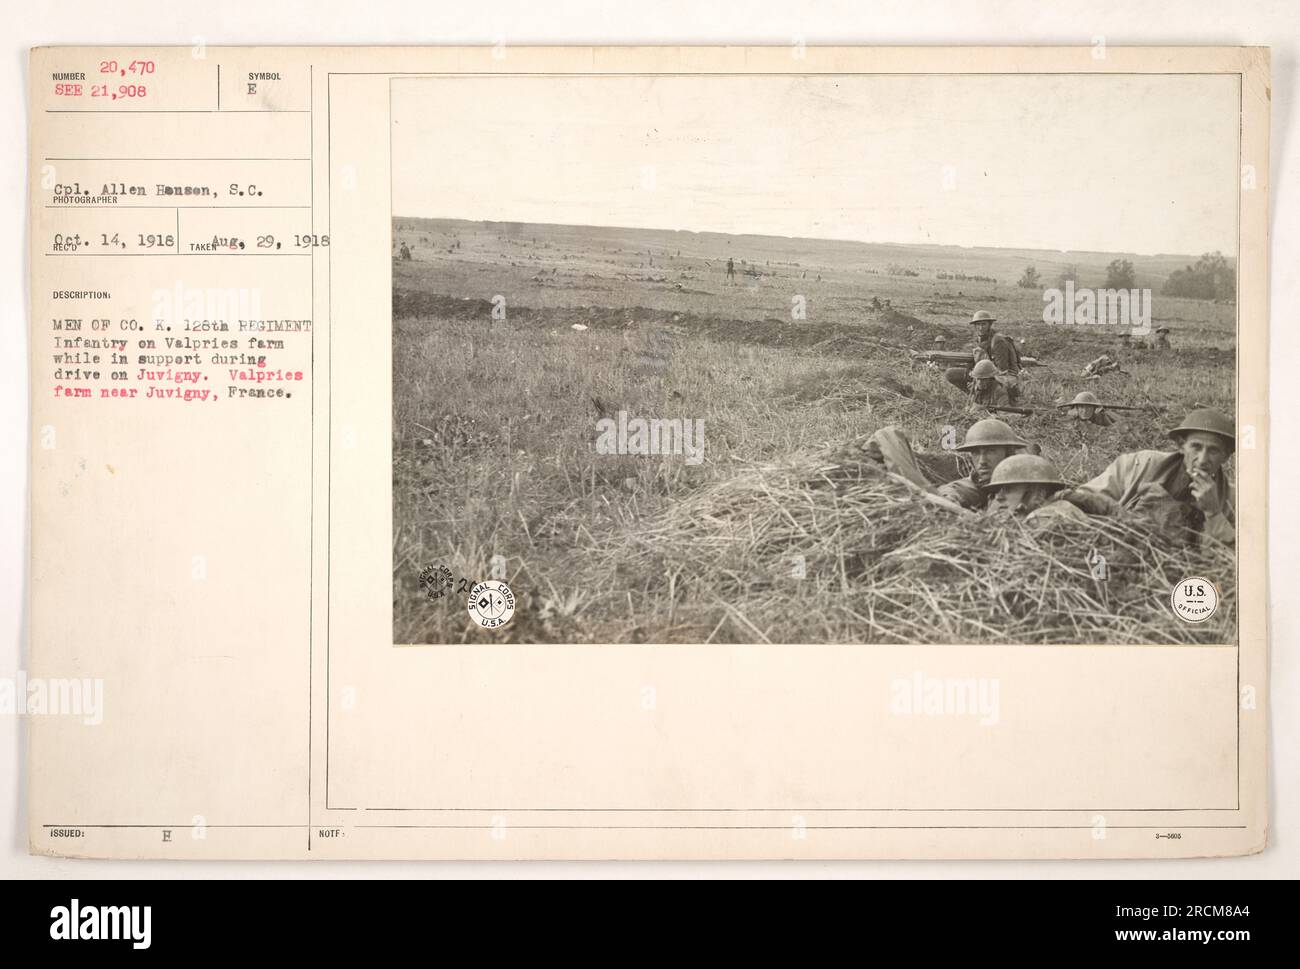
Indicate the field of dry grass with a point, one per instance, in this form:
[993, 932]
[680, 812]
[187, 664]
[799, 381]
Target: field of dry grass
[777, 535]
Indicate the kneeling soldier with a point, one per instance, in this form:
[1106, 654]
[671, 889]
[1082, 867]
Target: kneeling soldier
[996, 347]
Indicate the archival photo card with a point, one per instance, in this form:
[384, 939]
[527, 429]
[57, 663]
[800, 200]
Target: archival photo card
[648, 453]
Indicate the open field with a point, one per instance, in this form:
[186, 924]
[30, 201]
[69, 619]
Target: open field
[494, 423]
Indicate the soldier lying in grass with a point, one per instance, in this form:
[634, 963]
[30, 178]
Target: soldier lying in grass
[988, 443]
[1087, 409]
[1103, 364]
[1183, 488]
[1025, 486]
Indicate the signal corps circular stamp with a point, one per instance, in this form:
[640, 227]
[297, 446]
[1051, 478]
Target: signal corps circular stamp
[491, 604]
[1194, 599]
[435, 580]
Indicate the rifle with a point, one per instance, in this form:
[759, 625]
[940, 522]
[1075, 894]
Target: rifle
[1007, 409]
[1106, 406]
[930, 496]
[956, 358]
[925, 494]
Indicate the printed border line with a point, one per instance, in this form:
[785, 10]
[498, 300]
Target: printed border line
[808, 827]
[172, 827]
[132, 208]
[127, 111]
[672, 827]
[329, 414]
[329, 467]
[1236, 405]
[92, 159]
[311, 435]
[788, 810]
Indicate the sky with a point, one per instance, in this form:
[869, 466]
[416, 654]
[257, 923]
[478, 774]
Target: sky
[1109, 163]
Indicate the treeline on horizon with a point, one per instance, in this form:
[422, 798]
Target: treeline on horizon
[1210, 278]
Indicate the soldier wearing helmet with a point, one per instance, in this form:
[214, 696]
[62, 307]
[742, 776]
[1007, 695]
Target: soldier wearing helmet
[1162, 338]
[1088, 409]
[988, 443]
[996, 347]
[984, 386]
[1023, 486]
[1189, 481]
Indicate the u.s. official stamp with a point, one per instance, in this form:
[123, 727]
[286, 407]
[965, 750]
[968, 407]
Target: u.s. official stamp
[1194, 599]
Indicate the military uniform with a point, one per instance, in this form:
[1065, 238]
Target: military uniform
[1095, 410]
[1142, 477]
[1098, 417]
[1039, 481]
[966, 493]
[1056, 510]
[890, 446]
[1001, 350]
[995, 394]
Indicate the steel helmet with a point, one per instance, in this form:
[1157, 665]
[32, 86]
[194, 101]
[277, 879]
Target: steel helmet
[1207, 419]
[940, 339]
[991, 432]
[1085, 399]
[1025, 469]
[983, 316]
[984, 368]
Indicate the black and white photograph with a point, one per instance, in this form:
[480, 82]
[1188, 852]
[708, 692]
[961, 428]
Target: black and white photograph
[932, 358]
